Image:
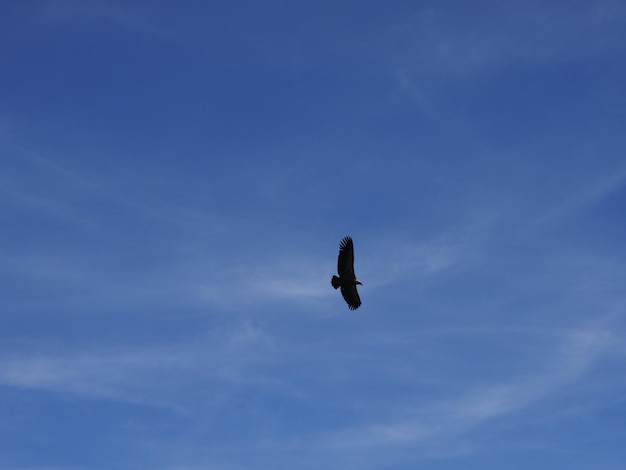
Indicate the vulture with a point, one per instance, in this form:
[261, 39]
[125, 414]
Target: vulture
[347, 279]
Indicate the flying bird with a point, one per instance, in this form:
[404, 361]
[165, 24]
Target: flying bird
[347, 279]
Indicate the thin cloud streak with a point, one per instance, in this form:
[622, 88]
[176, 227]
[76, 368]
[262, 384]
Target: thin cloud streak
[162, 375]
[118, 14]
[168, 253]
[531, 34]
[440, 421]
[581, 199]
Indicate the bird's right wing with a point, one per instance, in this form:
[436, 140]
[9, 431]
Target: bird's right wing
[345, 261]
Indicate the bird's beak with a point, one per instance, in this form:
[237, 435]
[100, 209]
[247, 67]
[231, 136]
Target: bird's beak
[359, 282]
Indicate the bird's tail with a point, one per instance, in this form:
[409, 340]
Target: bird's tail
[335, 282]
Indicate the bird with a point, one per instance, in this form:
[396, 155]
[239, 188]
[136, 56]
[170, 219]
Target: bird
[347, 280]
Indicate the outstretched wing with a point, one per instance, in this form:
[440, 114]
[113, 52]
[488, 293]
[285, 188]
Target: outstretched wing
[345, 268]
[351, 296]
[345, 262]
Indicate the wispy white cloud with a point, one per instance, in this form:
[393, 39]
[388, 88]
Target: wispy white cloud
[116, 13]
[38, 183]
[440, 422]
[492, 37]
[162, 375]
[580, 199]
[27, 200]
[201, 375]
[437, 45]
[407, 260]
[469, 346]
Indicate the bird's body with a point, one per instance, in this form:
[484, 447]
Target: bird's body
[347, 280]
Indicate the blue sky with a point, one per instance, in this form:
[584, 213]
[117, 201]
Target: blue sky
[174, 182]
